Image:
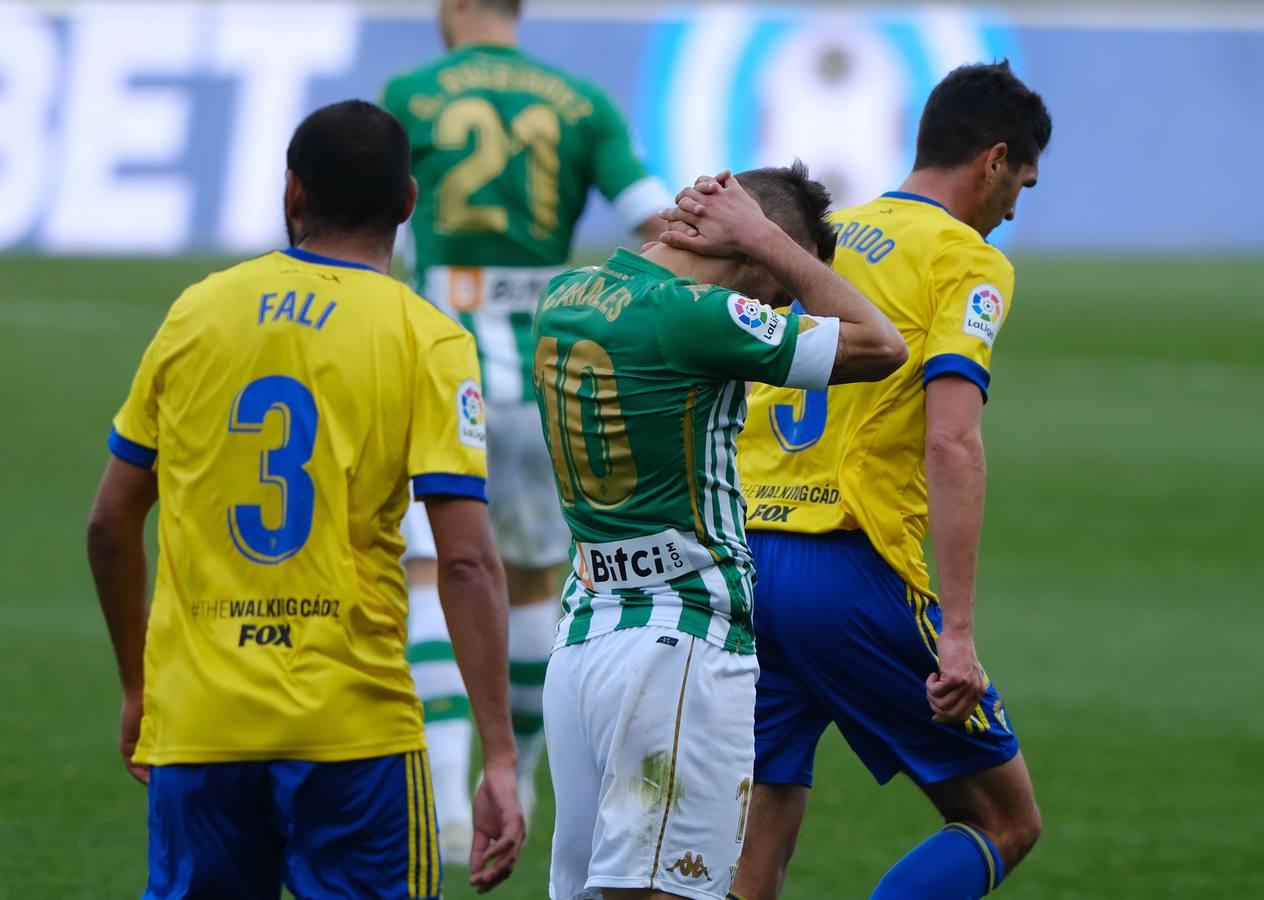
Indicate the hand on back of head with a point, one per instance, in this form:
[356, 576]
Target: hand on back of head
[713, 217]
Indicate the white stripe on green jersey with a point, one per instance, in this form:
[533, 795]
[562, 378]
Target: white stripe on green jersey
[640, 378]
[496, 304]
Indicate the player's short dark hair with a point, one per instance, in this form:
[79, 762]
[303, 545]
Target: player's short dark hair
[354, 161]
[504, 7]
[795, 203]
[977, 107]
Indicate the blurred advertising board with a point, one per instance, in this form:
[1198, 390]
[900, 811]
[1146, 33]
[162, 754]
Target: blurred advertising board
[154, 128]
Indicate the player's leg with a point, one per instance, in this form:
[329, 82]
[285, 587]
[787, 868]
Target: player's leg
[669, 718]
[437, 680]
[576, 777]
[977, 779]
[533, 613]
[867, 659]
[211, 833]
[533, 541]
[999, 802]
[991, 815]
[789, 720]
[363, 828]
[776, 816]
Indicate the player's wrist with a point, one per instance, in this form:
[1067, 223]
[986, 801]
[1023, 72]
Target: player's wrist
[499, 756]
[763, 241]
[132, 682]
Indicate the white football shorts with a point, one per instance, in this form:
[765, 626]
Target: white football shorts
[521, 492]
[651, 746]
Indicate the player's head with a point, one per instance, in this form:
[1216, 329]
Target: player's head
[983, 121]
[796, 204]
[470, 21]
[349, 175]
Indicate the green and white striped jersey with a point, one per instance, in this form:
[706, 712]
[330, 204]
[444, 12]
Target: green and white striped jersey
[505, 150]
[640, 379]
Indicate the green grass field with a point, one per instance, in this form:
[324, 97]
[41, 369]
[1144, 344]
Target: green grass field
[1120, 597]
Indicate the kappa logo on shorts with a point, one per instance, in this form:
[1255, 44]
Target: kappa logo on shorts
[690, 866]
[756, 319]
[668, 640]
[471, 415]
[984, 311]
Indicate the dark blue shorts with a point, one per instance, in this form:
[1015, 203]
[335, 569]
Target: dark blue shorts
[841, 638]
[359, 829]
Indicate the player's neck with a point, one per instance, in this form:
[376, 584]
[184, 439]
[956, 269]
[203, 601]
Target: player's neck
[487, 30]
[948, 187]
[352, 250]
[702, 269]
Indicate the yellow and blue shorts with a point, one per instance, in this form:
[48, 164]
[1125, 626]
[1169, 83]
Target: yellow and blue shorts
[364, 828]
[841, 638]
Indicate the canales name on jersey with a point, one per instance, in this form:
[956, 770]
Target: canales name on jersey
[640, 379]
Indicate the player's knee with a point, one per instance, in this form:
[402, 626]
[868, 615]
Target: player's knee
[1028, 831]
[1019, 834]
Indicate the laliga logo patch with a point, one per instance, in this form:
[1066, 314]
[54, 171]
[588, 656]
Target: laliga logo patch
[471, 415]
[756, 318]
[984, 311]
[749, 313]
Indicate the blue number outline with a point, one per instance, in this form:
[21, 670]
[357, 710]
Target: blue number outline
[284, 467]
[794, 432]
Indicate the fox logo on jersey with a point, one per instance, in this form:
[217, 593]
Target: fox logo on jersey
[984, 312]
[756, 318]
[771, 512]
[265, 635]
[471, 416]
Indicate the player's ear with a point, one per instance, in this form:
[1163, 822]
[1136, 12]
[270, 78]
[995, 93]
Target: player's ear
[295, 197]
[411, 203]
[997, 157]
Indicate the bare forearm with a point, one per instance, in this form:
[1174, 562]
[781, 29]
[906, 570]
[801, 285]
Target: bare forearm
[116, 554]
[474, 604]
[956, 483]
[821, 290]
[870, 346]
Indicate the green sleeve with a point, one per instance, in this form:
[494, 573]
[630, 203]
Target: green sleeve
[616, 165]
[393, 99]
[713, 332]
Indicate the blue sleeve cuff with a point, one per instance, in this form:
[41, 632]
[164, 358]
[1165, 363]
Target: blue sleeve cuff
[132, 452]
[446, 484]
[956, 364]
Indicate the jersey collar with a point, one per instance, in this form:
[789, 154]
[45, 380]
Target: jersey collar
[317, 259]
[492, 48]
[625, 258]
[905, 195]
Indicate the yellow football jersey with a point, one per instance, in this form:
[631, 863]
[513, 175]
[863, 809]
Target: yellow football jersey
[285, 404]
[852, 457]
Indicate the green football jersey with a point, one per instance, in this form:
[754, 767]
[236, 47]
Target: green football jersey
[640, 379]
[505, 149]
